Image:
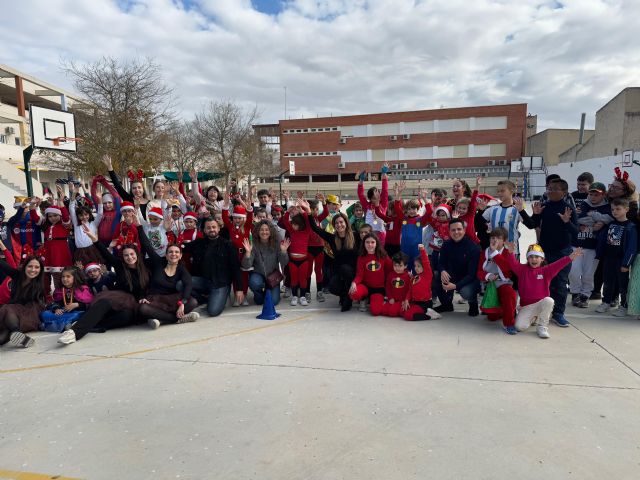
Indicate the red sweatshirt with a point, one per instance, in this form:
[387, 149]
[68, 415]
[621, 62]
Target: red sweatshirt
[299, 238]
[372, 271]
[394, 226]
[398, 285]
[420, 290]
[314, 238]
[56, 240]
[237, 235]
[533, 283]
[469, 218]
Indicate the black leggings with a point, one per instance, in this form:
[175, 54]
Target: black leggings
[340, 281]
[10, 323]
[147, 311]
[102, 316]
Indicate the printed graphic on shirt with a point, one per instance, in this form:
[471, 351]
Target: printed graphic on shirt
[397, 282]
[415, 279]
[155, 239]
[585, 232]
[615, 234]
[374, 266]
[539, 277]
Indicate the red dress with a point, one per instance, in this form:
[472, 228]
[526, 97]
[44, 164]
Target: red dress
[57, 254]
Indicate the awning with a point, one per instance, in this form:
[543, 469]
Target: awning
[202, 176]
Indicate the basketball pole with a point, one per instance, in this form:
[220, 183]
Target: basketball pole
[26, 156]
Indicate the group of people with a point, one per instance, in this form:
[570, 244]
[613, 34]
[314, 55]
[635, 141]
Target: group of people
[89, 261]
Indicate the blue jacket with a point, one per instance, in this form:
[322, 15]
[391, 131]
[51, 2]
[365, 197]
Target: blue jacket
[620, 240]
[460, 261]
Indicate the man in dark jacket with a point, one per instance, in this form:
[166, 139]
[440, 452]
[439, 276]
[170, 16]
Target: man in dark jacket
[216, 266]
[458, 263]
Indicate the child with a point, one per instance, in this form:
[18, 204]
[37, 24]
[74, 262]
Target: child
[85, 251]
[356, 216]
[156, 229]
[375, 198]
[111, 204]
[316, 247]
[489, 271]
[371, 271]
[190, 233]
[397, 286]
[69, 301]
[23, 231]
[392, 225]
[364, 230]
[617, 245]
[417, 305]
[295, 223]
[466, 211]
[594, 215]
[239, 229]
[534, 280]
[126, 232]
[99, 279]
[440, 225]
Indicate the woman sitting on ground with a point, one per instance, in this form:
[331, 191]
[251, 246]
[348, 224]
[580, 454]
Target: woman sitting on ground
[265, 256]
[165, 304]
[113, 308]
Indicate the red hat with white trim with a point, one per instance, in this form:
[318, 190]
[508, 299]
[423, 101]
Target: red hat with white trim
[53, 210]
[155, 212]
[239, 211]
[190, 215]
[443, 208]
[127, 206]
[91, 266]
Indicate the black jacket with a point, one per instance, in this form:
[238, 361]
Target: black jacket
[216, 260]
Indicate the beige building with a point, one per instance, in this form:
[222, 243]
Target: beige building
[617, 129]
[550, 143]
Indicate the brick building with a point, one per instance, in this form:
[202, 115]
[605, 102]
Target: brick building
[446, 138]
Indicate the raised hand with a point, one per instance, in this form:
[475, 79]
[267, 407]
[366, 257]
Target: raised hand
[518, 202]
[320, 198]
[537, 208]
[566, 216]
[576, 253]
[300, 194]
[193, 173]
[510, 246]
[106, 159]
[285, 244]
[478, 182]
[247, 247]
[92, 236]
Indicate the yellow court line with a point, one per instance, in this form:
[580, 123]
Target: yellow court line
[154, 349]
[11, 475]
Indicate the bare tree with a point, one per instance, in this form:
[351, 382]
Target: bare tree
[126, 115]
[184, 151]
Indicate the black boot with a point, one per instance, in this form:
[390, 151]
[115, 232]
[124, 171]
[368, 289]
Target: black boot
[473, 310]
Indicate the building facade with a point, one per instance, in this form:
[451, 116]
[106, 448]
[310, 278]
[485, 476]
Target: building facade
[447, 138]
[550, 143]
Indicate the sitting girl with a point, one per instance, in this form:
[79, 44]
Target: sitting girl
[69, 301]
[371, 272]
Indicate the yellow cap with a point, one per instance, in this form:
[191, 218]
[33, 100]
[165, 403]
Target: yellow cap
[535, 250]
[333, 199]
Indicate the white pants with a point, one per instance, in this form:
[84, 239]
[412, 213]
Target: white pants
[582, 271]
[538, 313]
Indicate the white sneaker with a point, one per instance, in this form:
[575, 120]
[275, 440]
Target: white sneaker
[603, 308]
[363, 306]
[287, 292]
[67, 337]
[303, 301]
[19, 339]
[235, 303]
[189, 317]
[320, 297]
[294, 301]
[245, 302]
[461, 301]
[154, 323]
[433, 314]
[542, 331]
[619, 312]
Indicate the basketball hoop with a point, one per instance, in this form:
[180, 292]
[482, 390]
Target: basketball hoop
[58, 140]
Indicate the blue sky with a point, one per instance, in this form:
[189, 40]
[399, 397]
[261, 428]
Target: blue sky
[339, 57]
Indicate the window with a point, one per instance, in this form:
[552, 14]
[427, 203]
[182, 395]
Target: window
[421, 153]
[490, 123]
[383, 129]
[377, 155]
[391, 154]
[418, 127]
[445, 152]
[453, 125]
[3, 138]
[350, 156]
[17, 139]
[460, 151]
[354, 131]
[482, 150]
[498, 150]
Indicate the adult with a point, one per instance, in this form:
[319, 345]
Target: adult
[166, 303]
[137, 195]
[345, 246]
[460, 189]
[375, 199]
[265, 256]
[118, 307]
[215, 267]
[27, 300]
[457, 264]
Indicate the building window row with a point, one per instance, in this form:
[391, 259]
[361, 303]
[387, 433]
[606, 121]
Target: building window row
[311, 154]
[423, 153]
[310, 130]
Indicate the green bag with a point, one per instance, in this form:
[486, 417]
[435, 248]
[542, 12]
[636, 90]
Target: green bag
[490, 300]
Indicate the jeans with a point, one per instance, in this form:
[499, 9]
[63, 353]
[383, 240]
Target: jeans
[217, 296]
[469, 292]
[257, 285]
[558, 288]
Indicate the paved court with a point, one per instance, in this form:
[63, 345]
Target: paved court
[318, 394]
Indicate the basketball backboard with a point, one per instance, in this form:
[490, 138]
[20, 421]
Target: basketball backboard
[49, 126]
[627, 158]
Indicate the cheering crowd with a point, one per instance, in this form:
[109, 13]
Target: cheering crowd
[90, 261]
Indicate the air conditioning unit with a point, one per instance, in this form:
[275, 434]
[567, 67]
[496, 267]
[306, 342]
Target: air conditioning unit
[433, 164]
[406, 136]
[343, 140]
[503, 162]
[393, 138]
[341, 165]
[492, 162]
[9, 130]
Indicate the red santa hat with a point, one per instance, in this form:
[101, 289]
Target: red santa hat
[155, 212]
[91, 266]
[127, 206]
[276, 208]
[443, 208]
[53, 210]
[190, 215]
[239, 211]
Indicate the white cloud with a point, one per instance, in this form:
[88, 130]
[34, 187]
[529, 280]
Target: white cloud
[342, 57]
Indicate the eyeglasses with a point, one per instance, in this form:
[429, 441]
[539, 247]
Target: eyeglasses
[615, 187]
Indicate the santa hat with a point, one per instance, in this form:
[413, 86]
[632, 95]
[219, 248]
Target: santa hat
[486, 197]
[107, 197]
[443, 208]
[276, 208]
[91, 266]
[155, 212]
[239, 211]
[190, 215]
[535, 250]
[53, 210]
[127, 206]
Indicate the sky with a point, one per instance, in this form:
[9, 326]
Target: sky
[342, 57]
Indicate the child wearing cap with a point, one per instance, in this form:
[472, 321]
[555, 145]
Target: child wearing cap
[126, 232]
[534, 280]
[155, 228]
[594, 215]
[98, 278]
[239, 229]
[190, 233]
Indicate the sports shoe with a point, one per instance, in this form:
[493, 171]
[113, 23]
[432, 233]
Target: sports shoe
[19, 339]
[235, 302]
[189, 317]
[473, 310]
[433, 314]
[287, 292]
[154, 323]
[619, 312]
[245, 302]
[303, 301]
[461, 301]
[575, 299]
[511, 330]
[444, 308]
[294, 301]
[542, 331]
[614, 304]
[320, 297]
[584, 302]
[363, 306]
[345, 304]
[307, 297]
[559, 320]
[603, 308]
[67, 337]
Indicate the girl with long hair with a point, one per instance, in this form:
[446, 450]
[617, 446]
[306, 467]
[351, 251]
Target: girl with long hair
[371, 272]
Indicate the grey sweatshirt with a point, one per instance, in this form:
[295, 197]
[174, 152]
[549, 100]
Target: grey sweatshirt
[264, 260]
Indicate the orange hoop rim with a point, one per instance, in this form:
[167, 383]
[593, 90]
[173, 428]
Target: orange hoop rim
[58, 140]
